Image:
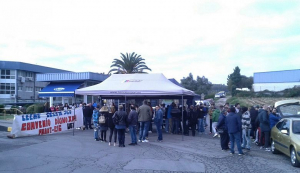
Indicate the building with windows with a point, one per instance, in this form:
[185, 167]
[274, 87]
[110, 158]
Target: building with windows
[62, 86]
[18, 82]
[276, 80]
[23, 83]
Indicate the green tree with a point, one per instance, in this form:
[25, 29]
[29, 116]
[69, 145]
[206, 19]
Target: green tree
[199, 86]
[234, 80]
[246, 82]
[129, 63]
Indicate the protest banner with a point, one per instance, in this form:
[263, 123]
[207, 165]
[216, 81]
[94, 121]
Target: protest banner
[46, 123]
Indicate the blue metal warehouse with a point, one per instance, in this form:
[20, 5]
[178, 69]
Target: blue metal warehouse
[276, 80]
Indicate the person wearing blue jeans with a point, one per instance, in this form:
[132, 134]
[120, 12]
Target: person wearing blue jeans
[144, 126]
[200, 114]
[234, 126]
[246, 139]
[235, 137]
[200, 125]
[158, 119]
[132, 130]
[144, 117]
[132, 121]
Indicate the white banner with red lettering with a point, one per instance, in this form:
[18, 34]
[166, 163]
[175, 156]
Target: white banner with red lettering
[46, 123]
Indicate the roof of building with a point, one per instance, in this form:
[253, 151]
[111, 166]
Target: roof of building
[285, 76]
[12, 65]
[72, 76]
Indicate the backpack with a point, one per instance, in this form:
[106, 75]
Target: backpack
[102, 119]
[115, 119]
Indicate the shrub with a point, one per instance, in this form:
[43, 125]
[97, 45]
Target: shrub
[35, 108]
[210, 96]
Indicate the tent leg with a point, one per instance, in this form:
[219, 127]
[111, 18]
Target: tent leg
[182, 117]
[74, 115]
[125, 103]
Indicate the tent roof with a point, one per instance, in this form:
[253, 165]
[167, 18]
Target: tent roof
[135, 85]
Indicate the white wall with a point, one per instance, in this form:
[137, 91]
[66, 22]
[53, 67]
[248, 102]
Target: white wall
[273, 86]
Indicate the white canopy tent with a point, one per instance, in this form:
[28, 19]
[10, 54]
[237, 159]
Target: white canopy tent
[135, 85]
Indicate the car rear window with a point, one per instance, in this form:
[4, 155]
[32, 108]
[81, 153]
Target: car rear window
[296, 127]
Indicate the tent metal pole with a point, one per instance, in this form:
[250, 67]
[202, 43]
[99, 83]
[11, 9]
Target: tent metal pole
[182, 117]
[74, 114]
[100, 101]
[125, 103]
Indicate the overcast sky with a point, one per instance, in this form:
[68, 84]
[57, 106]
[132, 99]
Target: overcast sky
[206, 38]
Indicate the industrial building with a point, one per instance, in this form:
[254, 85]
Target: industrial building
[276, 80]
[23, 83]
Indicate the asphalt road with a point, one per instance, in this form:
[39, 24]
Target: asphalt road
[80, 153]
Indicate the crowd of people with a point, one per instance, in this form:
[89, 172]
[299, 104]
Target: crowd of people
[238, 125]
[233, 124]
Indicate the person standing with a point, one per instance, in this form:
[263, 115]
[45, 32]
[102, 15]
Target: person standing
[233, 123]
[169, 118]
[264, 126]
[96, 122]
[200, 114]
[193, 119]
[222, 125]
[132, 121]
[150, 124]
[253, 116]
[111, 126]
[210, 114]
[175, 113]
[144, 117]
[103, 122]
[87, 113]
[158, 120]
[246, 127]
[215, 119]
[120, 118]
[273, 118]
[185, 122]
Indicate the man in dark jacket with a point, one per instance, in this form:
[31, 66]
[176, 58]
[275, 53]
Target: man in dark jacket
[121, 119]
[87, 113]
[222, 125]
[253, 116]
[264, 125]
[132, 122]
[175, 113]
[273, 118]
[193, 119]
[233, 123]
[144, 117]
[200, 112]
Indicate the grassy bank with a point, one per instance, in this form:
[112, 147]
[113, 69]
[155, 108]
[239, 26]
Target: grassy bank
[250, 101]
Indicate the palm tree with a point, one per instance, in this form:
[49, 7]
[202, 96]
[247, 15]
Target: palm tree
[129, 63]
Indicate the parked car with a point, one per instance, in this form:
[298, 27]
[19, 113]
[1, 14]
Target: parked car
[221, 94]
[285, 135]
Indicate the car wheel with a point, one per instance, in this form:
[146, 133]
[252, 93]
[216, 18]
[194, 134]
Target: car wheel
[273, 149]
[294, 160]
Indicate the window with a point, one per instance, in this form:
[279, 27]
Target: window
[286, 125]
[38, 89]
[20, 88]
[8, 74]
[278, 125]
[7, 88]
[29, 74]
[296, 127]
[29, 89]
